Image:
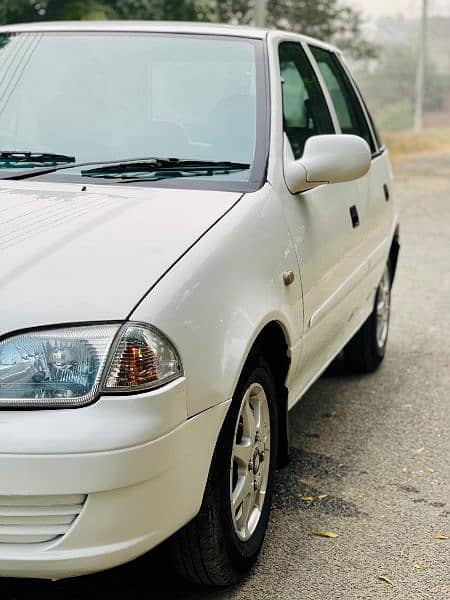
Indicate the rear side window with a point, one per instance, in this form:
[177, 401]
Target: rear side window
[346, 102]
[305, 111]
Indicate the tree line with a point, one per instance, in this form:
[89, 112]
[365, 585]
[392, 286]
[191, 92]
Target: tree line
[330, 20]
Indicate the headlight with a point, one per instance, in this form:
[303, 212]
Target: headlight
[57, 368]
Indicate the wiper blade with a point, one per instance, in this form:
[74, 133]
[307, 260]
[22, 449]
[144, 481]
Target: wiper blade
[13, 159]
[117, 169]
[163, 168]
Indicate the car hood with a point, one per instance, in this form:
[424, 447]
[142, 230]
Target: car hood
[69, 255]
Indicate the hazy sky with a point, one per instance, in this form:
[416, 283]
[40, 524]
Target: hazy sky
[411, 8]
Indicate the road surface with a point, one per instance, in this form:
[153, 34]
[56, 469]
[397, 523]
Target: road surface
[378, 447]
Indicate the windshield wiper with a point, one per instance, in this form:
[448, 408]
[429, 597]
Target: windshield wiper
[13, 159]
[155, 169]
[139, 169]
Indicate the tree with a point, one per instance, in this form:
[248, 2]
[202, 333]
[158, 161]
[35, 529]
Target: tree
[326, 19]
[39, 10]
[390, 86]
[235, 11]
[329, 20]
[173, 10]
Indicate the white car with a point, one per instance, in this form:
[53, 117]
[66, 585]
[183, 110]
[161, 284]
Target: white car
[195, 220]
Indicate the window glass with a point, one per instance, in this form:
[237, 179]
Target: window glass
[109, 97]
[375, 131]
[305, 112]
[348, 107]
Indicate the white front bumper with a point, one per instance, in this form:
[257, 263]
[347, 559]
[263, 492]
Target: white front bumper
[138, 493]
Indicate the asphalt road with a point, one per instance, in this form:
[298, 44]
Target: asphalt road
[377, 446]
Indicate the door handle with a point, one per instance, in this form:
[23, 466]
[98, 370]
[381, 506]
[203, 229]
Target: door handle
[355, 217]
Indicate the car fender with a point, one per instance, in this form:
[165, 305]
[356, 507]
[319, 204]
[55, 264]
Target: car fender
[218, 297]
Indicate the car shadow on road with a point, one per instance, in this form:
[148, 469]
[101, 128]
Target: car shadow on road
[152, 575]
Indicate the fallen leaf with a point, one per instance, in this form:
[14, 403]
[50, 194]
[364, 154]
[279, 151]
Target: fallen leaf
[385, 579]
[420, 450]
[308, 482]
[418, 566]
[429, 469]
[322, 496]
[307, 498]
[405, 470]
[325, 534]
[382, 516]
[440, 536]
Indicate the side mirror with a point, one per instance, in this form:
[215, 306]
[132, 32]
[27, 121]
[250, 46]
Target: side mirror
[326, 159]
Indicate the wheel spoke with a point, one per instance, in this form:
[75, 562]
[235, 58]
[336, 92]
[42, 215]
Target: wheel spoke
[249, 420]
[243, 452]
[247, 509]
[243, 489]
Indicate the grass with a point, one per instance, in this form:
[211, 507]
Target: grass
[404, 145]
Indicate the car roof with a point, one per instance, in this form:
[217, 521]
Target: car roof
[154, 27]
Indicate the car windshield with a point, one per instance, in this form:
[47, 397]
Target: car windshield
[100, 97]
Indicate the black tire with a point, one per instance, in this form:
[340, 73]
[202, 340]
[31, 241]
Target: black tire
[364, 353]
[207, 550]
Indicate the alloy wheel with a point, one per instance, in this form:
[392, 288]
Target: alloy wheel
[383, 309]
[250, 462]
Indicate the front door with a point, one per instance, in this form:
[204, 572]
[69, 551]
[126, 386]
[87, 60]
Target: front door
[326, 223]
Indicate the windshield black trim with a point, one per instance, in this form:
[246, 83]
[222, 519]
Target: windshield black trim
[204, 183]
[258, 172]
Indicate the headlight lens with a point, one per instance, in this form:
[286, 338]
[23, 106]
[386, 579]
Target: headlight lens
[55, 367]
[59, 368]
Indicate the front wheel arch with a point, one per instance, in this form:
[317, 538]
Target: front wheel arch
[394, 253]
[272, 345]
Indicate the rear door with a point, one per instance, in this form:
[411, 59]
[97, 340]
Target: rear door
[382, 213]
[355, 119]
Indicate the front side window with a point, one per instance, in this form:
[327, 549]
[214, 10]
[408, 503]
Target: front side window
[305, 112]
[348, 107]
[98, 97]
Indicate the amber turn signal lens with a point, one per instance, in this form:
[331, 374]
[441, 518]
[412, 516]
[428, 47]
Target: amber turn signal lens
[143, 359]
[138, 366]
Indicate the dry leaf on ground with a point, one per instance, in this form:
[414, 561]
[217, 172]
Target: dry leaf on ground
[440, 536]
[308, 482]
[418, 566]
[306, 498]
[385, 579]
[322, 496]
[325, 534]
[420, 450]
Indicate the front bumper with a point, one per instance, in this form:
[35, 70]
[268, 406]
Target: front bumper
[136, 495]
